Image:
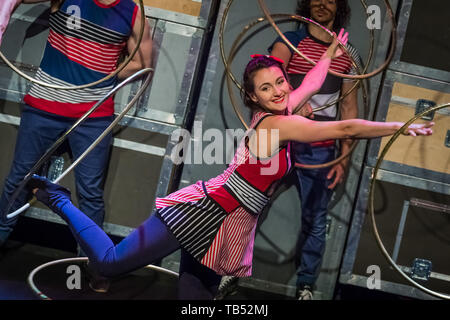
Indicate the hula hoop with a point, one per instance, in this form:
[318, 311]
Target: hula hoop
[372, 210]
[48, 154]
[231, 56]
[41, 295]
[342, 75]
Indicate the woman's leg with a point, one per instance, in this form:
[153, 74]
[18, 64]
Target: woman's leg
[196, 281]
[149, 242]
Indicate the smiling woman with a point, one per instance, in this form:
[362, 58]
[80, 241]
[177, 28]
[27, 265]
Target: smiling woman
[214, 221]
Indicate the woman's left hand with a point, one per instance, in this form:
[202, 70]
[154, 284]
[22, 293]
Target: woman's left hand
[334, 50]
[419, 129]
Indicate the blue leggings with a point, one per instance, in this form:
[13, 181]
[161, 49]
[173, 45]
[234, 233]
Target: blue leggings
[149, 242]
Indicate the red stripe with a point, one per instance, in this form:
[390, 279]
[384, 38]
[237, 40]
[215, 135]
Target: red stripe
[101, 5]
[133, 20]
[103, 60]
[99, 48]
[71, 110]
[327, 143]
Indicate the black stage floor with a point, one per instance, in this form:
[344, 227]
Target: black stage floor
[33, 243]
[58, 281]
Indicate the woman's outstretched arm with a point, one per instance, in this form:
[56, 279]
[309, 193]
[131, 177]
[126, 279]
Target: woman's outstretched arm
[297, 128]
[314, 79]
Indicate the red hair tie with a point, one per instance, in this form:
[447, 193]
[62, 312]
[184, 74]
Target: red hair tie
[253, 56]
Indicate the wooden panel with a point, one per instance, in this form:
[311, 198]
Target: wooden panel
[183, 6]
[416, 93]
[424, 152]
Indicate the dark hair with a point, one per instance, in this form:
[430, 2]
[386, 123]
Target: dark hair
[256, 64]
[342, 13]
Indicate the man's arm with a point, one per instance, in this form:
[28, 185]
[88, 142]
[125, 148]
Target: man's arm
[143, 57]
[349, 110]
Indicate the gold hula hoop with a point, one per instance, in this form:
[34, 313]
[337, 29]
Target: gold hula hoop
[355, 85]
[347, 76]
[111, 75]
[372, 211]
[234, 103]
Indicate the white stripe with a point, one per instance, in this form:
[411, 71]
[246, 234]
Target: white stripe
[205, 214]
[144, 148]
[74, 96]
[197, 249]
[241, 184]
[87, 28]
[246, 191]
[166, 214]
[183, 213]
[194, 244]
[6, 118]
[211, 216]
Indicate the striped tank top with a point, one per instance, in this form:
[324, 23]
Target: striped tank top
[314, 49]
[215, 220]
[85, 41]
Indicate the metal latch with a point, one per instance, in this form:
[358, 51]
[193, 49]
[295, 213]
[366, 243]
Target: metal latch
[421, 269]
[447, 139]
[422, 105]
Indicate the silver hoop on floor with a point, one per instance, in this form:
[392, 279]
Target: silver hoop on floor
[41, 295]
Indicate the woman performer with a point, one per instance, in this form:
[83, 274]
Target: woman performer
[214, 222]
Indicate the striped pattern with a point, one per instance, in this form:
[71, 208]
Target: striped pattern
[82, 47]
[250, 197]
[355, 55]
[98, 57]
[194, 224]
[229, 251]
[86, 31]
[236, 235]
[65, 96]
[314, 51]
[91, 46]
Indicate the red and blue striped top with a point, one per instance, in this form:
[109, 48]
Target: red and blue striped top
[85, 41]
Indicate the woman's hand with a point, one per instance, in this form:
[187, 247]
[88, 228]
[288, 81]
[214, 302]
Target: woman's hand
[419, 129]
[334, 50]
[52, 195]
[305, 111]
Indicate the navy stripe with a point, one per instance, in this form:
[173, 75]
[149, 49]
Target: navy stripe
[87, 31]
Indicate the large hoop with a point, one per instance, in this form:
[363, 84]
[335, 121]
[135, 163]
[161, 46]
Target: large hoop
[347, 76]
[355, 85]
[372, 210]
[229, 78]
[41, 295]
[111, 75]
[53, 148]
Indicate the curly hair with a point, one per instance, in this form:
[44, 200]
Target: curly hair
[342, 14]
[256, 64]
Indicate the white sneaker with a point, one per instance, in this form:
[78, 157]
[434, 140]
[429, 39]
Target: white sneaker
[228, 286]
[305, 293]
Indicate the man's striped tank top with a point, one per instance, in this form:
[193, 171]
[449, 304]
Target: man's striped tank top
[85, 40]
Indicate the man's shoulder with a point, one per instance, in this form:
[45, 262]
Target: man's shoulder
[300, 33]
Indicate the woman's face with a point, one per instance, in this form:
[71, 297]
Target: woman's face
[271, 89]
